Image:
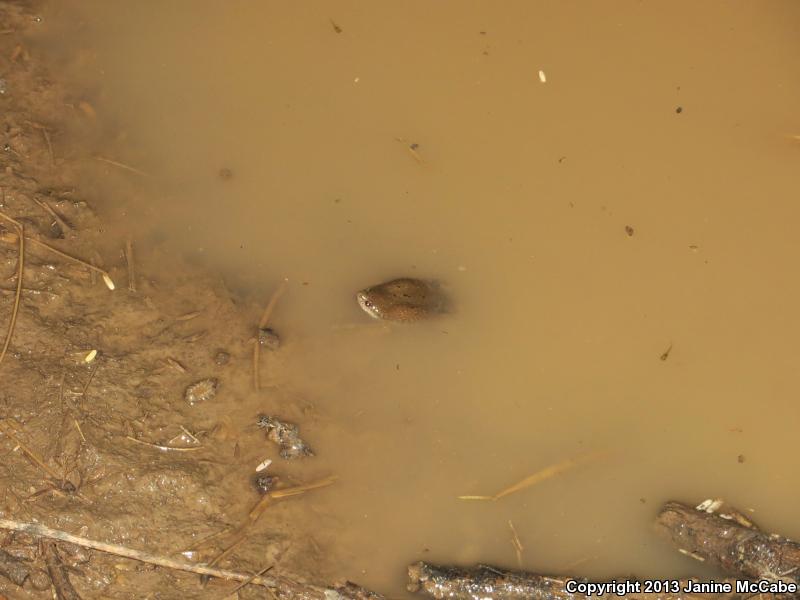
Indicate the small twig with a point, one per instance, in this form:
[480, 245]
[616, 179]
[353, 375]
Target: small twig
[78, 427]
[106, 277]
[47, 208]
[131, 268]
[89, 379]
[46, 135]
[515, 541]
[240, 533]
[287, 588]
[262, 323]
[244, 583]
[163, 448]
[122, 166]
[6, 429]
[18, 294]
[226, 552]
[189, 434]
[271, 305]
[118, 550]
[188, 316]
[49, 145]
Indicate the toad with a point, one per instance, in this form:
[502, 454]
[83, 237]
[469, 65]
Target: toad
[403, 300]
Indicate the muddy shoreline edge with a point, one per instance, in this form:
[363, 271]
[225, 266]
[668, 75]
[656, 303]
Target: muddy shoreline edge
[98, 435]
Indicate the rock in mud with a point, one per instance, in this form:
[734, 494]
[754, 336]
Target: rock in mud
[286, 435]
[201, 391]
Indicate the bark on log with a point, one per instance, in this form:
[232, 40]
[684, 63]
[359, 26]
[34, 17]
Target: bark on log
[726, 543]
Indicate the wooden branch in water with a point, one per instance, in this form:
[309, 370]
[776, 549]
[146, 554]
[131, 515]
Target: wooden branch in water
[484, 582]
[728, 541]
[262, 323]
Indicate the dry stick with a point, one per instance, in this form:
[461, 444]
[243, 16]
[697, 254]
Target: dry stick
[285, 586]
[129, 260]
[262, 323]
[146, 557]
[6, 429]
[18, 294]
[240, 532]
[244, 583]
[48, 209]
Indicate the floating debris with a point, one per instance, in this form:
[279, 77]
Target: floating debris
[629, 230]
[201, 391]
[542, 76]
[286, 435]
[665, 354]
[222, 358]
[90, 356]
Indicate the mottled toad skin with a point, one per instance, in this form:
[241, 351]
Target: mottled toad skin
[404, 300]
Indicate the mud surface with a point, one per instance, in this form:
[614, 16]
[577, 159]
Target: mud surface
[110, 449]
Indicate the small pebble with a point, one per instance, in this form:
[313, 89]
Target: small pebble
[222, 358]
[201, 391]
[225, 174]
[269, 339]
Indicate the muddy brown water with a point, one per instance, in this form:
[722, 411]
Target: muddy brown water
[676, 121]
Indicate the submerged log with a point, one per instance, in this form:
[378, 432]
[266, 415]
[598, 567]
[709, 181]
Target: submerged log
[727, 540]
[484, 582]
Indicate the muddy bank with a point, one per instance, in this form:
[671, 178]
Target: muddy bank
[121, 413]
